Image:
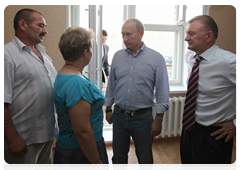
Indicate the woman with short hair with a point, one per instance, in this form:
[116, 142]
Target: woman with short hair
[78, 103]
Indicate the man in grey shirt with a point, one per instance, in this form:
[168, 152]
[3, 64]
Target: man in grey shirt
[28, 93]
[135, 73]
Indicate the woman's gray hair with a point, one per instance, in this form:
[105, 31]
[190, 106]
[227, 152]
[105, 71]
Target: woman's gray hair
[74, 41]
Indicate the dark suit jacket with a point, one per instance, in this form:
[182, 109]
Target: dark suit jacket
[105, 64]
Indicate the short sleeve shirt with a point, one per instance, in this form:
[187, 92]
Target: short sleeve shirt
[28, 89]
[68, 90]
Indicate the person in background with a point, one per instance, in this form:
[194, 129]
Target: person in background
[78, 104]
[28, 93]
[209, 139]
[135, 73]
[105, 50]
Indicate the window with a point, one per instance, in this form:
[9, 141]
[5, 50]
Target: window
[156, 14]
[163, 35]
[113, 26]
[167, 41]
[161, 32]
[193, 10]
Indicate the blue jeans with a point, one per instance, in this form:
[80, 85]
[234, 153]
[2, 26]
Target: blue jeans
[138, 127]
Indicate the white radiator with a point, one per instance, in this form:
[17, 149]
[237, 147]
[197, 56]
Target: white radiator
[172, 119]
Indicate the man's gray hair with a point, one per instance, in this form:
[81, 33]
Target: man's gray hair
[208, 22]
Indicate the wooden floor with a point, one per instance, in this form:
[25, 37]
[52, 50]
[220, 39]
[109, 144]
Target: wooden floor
[165, 151]
[166, 154]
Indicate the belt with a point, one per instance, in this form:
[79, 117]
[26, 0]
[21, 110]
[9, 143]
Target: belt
[133, 113]
[206, 128]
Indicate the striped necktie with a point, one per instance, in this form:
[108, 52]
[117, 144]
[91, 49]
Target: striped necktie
[190, 103]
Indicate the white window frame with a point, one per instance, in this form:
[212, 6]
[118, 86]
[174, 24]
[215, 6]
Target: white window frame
[181, 14]
[130, 12]
[178, 51]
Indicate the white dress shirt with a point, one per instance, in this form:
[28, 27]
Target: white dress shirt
[216, 100]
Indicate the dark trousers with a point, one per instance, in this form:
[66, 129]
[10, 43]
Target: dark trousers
[199, 147]
[76, 156]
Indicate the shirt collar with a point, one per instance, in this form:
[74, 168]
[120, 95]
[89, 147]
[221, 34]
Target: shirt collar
[21, 45]
[207, 55]
[138, 52]
[18, 43]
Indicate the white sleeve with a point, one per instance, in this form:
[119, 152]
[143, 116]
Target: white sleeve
[235, 121]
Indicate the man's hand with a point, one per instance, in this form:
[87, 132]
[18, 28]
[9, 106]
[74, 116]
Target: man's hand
[157, 125]
[18, 147]
[109, 116]
[228, 130]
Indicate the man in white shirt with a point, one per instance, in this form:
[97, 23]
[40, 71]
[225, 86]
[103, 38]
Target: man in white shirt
[211, 140]
[28, 93]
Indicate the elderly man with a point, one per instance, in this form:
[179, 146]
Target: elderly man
[28, 93]
[210, 106]
[135, 72]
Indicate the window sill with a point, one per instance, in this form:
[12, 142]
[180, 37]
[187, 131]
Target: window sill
[175, 89]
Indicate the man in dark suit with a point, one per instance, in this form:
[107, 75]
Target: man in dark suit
[105, 65]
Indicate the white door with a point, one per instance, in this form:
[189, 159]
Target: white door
[95, 66]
